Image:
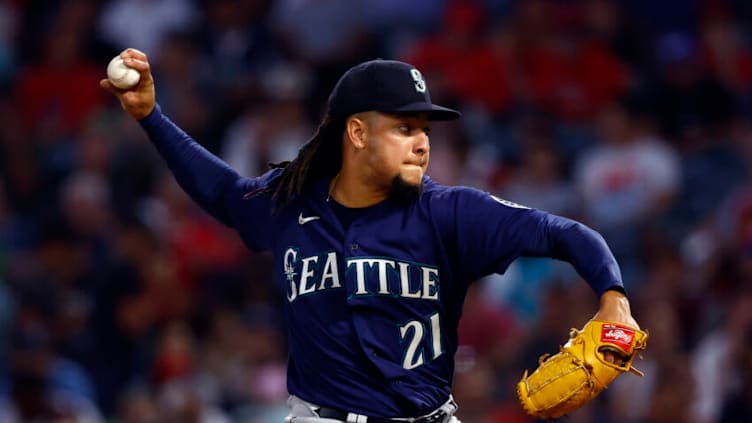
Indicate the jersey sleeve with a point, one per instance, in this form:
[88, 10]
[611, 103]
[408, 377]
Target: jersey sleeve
[491, 233]
[242, 203]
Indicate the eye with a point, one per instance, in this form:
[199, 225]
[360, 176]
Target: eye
[404, 128]
[427, 130]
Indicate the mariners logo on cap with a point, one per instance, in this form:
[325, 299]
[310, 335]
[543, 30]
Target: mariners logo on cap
[420, 83]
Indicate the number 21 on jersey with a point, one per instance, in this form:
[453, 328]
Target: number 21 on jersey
[414, 334]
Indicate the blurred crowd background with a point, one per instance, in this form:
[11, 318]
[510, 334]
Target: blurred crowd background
[120, 301]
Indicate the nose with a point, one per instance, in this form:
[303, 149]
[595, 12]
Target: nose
[421, 146]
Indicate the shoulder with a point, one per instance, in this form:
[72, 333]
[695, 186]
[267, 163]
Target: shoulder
[433, 190]
[257, 190]
[264, 184]
[463, 195]
[270, 178]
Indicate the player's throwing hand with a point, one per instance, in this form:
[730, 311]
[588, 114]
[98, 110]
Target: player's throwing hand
[139, 100]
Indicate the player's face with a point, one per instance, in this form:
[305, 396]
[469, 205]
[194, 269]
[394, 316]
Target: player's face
[398, 147]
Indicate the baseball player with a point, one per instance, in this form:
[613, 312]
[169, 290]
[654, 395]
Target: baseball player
[374, 256]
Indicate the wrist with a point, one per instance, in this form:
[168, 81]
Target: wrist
[617, 288]
[144, 112]
[614, 307]
[613, 296]
[151, 118]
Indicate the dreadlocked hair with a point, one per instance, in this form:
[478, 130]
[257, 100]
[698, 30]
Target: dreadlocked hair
[320, 156]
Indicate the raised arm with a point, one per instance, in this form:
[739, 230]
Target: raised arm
[206, 178]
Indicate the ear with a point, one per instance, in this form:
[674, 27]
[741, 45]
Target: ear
[356, 130]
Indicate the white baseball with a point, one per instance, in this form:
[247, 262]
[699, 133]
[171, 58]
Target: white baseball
[120, 75]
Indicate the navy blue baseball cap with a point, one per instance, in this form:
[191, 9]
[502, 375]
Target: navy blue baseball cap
[387, 86]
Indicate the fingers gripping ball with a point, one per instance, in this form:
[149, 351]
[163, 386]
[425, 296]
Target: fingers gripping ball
[120, 75]
[568, 380]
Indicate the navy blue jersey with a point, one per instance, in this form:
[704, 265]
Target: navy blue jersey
[373, 308]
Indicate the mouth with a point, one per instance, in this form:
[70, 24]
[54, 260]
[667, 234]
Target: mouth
[418, 164]
[413, 168]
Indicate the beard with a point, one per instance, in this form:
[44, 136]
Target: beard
[405, 192]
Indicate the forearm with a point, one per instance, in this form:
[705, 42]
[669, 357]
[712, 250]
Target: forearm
[201, 174]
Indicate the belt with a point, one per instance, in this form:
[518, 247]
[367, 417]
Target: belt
[437, 416]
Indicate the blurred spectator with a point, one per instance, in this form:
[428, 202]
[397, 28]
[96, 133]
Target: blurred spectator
[225, 358]
[246, 360]
[174, 358]
[712, 167]
[538, 181]
[725, 56]
[625, 33]
[631, 176]
[328, 35]
[474, 389]
[44, 387]
[137, 405]
[568, 74]
[136, 294]
[196, 247]
[674, 386]
[236, 46]
[452, 58]
[144, 24]
[182, 403]
[320, 32]
[734, 221]
[713, 365]
[85, 203]
[182, 89]
[397, 23]
[630, 398]
[272, 132]
[480, 319]
[134, 166]
[50, 109]
[686, 97]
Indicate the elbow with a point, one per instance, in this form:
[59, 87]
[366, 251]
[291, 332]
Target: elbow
[572, 238]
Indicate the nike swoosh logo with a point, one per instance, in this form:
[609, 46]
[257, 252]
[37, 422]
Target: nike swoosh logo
[303, 220]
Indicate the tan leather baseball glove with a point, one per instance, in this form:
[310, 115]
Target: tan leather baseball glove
[575, 375]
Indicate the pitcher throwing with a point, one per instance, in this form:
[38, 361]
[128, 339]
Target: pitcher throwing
[374, 256]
